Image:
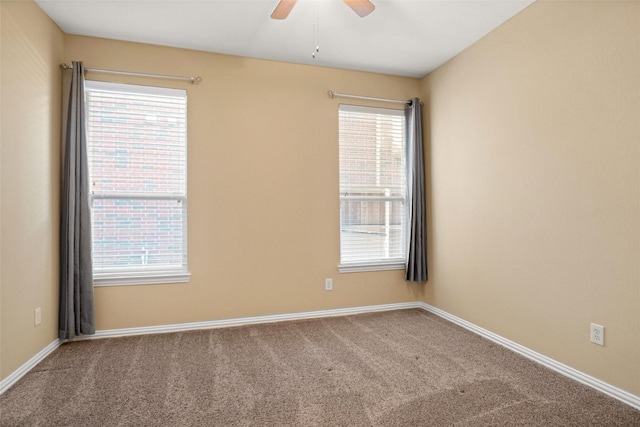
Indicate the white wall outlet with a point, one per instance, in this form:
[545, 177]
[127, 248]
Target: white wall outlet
[37, 316]
[597, 334]
[328, 284]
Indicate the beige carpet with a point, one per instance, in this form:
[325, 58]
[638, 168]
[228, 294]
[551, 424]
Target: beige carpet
[399, 368]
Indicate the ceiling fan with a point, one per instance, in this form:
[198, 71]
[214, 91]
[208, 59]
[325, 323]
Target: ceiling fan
[361, 7]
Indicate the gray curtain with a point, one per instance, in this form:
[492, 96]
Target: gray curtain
[76, 315]
[416, 264]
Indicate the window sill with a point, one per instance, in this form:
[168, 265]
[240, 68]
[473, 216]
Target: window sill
[372, 266]
[147, 278]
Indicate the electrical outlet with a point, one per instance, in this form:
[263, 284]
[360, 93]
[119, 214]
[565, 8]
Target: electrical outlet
[328, 284]
[597, 334]
[38, 316]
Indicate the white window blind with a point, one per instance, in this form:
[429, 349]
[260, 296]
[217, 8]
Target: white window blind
[373, 208]
[137, 138]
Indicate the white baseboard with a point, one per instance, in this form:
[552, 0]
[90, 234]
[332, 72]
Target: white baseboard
[567, 371]
[608, 389]
[224, 323]
[13, 378]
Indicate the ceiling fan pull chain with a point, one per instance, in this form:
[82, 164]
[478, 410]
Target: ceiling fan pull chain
[316, 30]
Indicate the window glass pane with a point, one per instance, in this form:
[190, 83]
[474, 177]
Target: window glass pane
[137, 233]
[371, 230]
[137, 142]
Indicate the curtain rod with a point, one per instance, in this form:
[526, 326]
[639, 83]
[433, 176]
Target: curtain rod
[333, 94]
[193, 80]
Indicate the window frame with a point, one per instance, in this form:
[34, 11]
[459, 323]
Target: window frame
[380, 264]
[134, 275]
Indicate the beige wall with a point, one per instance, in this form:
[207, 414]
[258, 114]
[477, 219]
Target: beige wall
[263, 188]
[535, 184]
[31, 50]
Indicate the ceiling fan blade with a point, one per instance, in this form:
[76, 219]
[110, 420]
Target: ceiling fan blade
[283, 9]
[361, 7]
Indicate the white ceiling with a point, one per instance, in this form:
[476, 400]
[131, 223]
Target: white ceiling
[400, 37]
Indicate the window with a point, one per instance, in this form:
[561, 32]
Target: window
[373, 189]
[137, 149]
